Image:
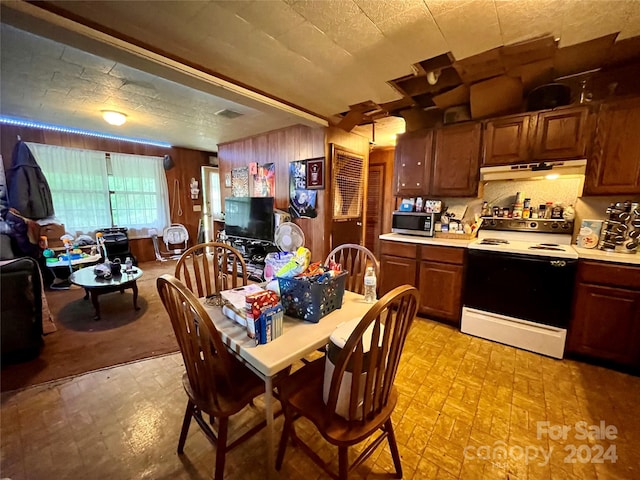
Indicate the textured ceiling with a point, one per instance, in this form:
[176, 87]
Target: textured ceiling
[322, 56]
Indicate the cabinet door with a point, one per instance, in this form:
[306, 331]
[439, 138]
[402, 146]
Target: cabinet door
[456, 161]
[606, 324]
[412, 165]
[441, 291]
[561, 134]
[506, 140]
[396, 271]
[614, 166]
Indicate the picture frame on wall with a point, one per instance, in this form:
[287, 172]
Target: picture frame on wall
[315, 173]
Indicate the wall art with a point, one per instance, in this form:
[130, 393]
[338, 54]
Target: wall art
[315, 173]
[302, 202]
[240, 182]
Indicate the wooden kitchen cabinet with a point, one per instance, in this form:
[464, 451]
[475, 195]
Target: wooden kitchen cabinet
[549, 135]
[561, 134]
[614, 166]
[440, 283]
[398, 265]
[606, 313]
[456, 160]
[506, 140]
[412, 164]
[436, 271]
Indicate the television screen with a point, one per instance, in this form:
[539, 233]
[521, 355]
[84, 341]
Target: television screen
[249, 217]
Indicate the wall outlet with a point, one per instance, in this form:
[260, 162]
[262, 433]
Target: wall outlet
[197, 208]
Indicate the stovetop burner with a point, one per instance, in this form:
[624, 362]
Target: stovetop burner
[493, 241]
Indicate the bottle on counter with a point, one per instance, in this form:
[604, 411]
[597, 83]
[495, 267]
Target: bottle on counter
[534, 212]
[548, 208]
[370, 285]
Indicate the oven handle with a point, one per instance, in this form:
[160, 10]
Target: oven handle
[554, 261]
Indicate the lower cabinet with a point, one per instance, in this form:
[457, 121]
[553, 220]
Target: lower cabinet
[440, 282]
[441, 290]
[436, 271]
[606, 314]
[398, 265]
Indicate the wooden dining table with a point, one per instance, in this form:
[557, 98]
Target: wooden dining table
[298, 339]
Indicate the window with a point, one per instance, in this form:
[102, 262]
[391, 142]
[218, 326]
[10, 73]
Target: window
[93, 189]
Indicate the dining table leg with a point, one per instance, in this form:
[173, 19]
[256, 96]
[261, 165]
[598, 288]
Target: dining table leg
[268, 409]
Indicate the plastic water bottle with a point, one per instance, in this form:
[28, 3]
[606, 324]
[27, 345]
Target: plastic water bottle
[370, 285]
[128, 264]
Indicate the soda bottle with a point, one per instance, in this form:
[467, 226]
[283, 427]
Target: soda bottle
[128, 264]
[370, 285]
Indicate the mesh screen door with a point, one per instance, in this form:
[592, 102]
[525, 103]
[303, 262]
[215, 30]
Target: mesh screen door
[347, 183]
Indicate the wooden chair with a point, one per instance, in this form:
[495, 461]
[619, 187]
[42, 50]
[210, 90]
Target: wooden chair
[209, 268]
[372, 372]
[354, 258]
[216, 383]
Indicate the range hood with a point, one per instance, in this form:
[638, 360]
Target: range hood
[537, 170]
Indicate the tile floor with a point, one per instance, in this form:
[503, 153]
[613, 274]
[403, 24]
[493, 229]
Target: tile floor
[469, 409]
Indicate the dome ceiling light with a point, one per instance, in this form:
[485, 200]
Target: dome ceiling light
[114, 118]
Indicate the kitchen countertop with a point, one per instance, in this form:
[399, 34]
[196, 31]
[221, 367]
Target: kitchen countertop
[583, 253]
[443, 242]
[601, 255]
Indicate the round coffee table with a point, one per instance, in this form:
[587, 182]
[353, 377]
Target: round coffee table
[96, 286]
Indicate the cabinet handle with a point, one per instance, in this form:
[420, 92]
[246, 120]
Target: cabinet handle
[419, 163]
[418, 184]
[403, 184]
[404, 164]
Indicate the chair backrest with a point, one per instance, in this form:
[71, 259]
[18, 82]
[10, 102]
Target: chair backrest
[354, 258]
[373, 366]
[209, 268]
[205, 356]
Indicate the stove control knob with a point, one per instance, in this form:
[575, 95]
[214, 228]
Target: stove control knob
[555, 225]
[533, 224]
[493, 223]
[565, 226]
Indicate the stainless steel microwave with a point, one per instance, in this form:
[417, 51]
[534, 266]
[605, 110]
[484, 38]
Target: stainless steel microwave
[413, 223]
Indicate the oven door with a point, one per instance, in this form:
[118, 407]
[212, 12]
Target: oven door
[528, 287]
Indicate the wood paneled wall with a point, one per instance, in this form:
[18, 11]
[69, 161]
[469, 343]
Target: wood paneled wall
[282, 147]
[187, 165]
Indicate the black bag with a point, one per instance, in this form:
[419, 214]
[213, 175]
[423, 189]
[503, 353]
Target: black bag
[116, 241]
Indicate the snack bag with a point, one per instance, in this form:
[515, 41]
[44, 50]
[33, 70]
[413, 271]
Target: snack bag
[256, 304]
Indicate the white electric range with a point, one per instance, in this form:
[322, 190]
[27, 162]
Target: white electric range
[519, 284]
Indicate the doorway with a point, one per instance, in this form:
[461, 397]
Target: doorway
[212, 203]
[375, 197]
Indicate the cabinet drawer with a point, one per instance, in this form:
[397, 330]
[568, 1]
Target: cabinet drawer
[398, 249]
[443, 254]
[609, 274]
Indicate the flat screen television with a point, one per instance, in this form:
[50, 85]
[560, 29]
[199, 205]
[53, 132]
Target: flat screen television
[249, 217]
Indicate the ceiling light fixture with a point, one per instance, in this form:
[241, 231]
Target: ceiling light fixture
[114, 118]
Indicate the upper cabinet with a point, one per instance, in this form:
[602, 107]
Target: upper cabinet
[614, 166]
[561, 134]
[456, 160]
[549, 135]
[506, 140]
[412, 165]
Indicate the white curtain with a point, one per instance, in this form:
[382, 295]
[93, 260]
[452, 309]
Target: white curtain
[141, 197]
[78, 182]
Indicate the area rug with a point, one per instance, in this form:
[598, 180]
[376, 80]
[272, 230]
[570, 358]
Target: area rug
[81, 344]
